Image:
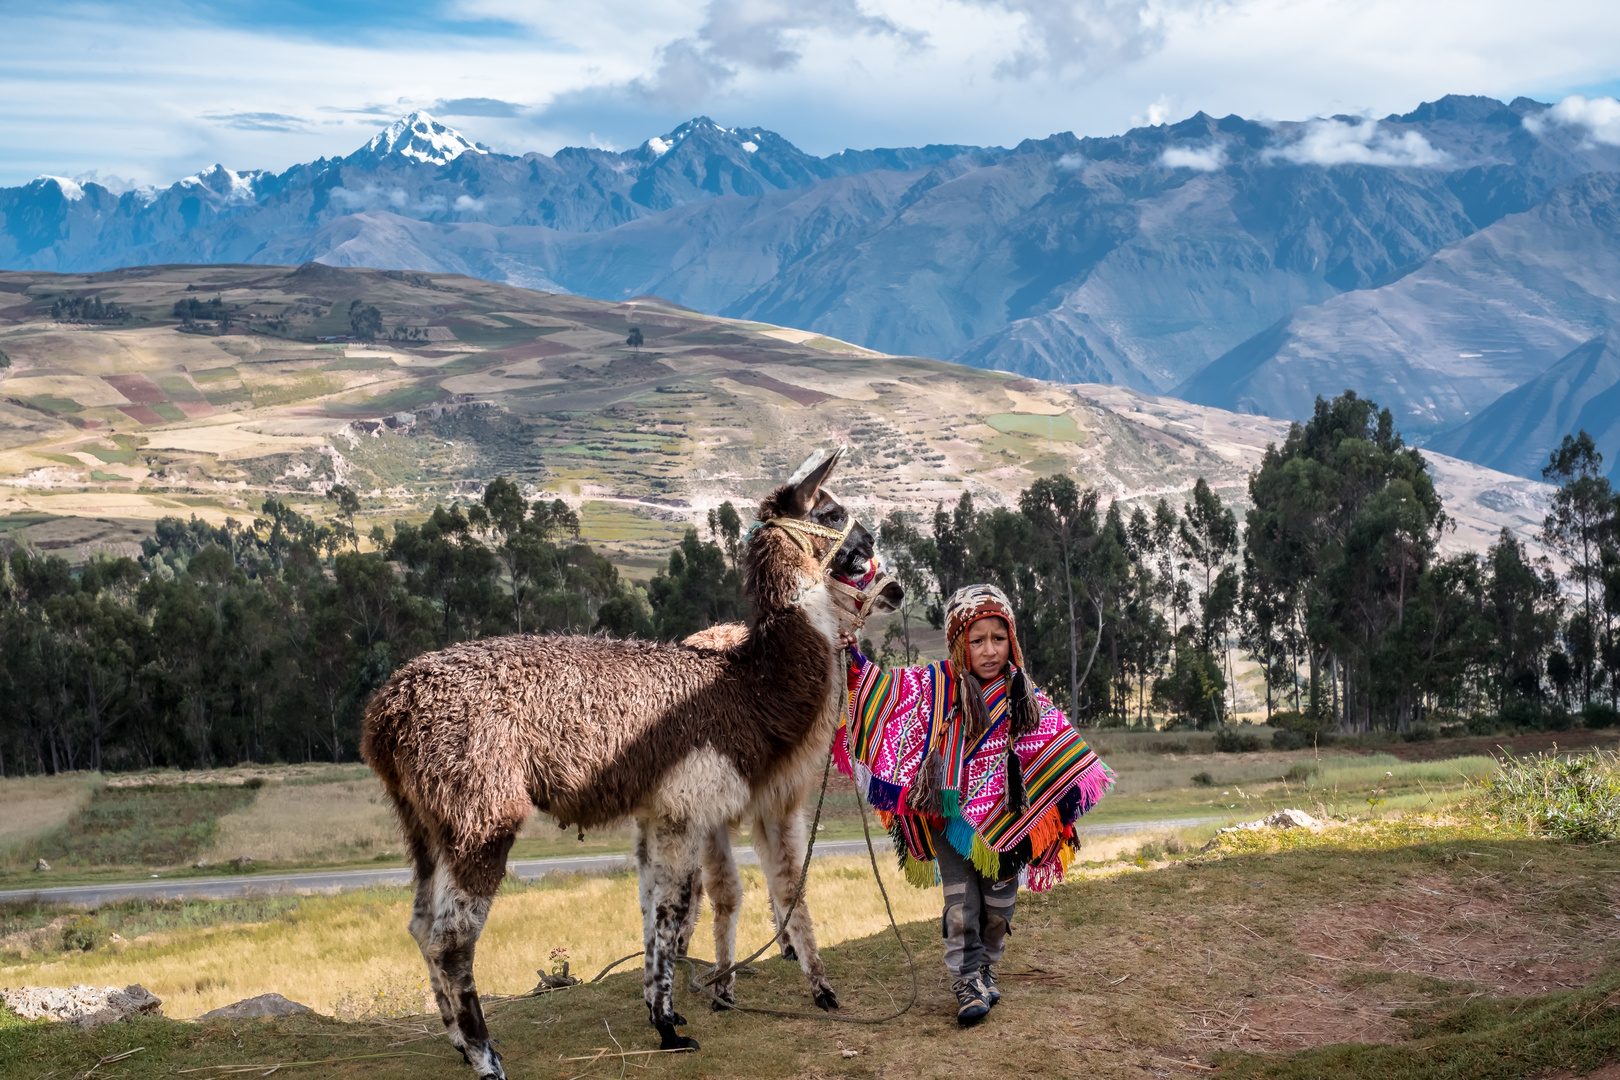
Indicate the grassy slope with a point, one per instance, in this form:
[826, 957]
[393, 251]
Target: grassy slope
[1410, 950]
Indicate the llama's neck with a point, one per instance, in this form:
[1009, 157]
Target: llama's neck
[790, 655]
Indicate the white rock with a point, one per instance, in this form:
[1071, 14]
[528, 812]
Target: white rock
[86, 1006]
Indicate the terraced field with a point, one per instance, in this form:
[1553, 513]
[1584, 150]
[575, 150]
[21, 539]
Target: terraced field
[105, 427]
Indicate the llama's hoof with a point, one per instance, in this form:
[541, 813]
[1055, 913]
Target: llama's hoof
[790, 953]
[677, 1019]
[668, 1040]
[826, 999]
[724, 1002]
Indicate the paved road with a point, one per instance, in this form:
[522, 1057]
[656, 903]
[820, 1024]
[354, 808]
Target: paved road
[331, 881]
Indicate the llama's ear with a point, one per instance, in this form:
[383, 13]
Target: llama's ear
[807, 479]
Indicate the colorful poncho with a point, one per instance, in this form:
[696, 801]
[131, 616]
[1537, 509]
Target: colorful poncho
[896, 717]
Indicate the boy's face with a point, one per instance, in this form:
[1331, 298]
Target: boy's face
[988, 646]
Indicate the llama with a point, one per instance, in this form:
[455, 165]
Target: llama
[778, 836]
[592, 730]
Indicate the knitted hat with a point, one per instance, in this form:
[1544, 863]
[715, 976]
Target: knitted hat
[967, 606]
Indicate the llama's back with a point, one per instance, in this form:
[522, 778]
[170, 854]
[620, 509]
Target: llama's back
[470, 737]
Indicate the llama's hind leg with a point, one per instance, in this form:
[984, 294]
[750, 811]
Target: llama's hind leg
[683, 943]
[456, 904]
[780, 841]
[666, 859]
[725, 896]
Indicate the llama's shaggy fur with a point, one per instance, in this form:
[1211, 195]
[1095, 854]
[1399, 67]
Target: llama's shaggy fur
[592, 730]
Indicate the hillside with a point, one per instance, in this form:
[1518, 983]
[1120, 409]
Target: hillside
[1446, 339]
[1517, 432]
[1138, 259]
[109, 425]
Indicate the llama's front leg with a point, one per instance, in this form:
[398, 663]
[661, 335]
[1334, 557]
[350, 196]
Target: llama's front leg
[449, 916]
[780, 843]
[725, 896]
[666, 858]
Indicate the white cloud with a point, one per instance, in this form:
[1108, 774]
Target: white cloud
[1070, 162]
[97, 86]
[467, 202]
[1600, 117]
[762, 35]
[1083, 38]
[1199, 158]
[1334, 142]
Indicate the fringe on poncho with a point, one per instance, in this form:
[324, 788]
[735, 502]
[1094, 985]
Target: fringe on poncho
[904, 736]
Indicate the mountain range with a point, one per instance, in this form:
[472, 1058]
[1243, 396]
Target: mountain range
[1446, 262]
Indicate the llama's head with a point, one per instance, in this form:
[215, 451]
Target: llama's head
[828, 542]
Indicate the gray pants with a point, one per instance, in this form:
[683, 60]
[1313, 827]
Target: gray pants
[978, 912]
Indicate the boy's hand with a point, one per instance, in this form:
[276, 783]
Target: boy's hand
[846, 640]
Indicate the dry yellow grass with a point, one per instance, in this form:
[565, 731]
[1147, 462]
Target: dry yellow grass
[310, 822]
[33, 805]
[354, 947]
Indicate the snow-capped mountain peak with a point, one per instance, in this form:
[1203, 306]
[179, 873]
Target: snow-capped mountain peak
[70, 189]
[420, 138]
[236, 187]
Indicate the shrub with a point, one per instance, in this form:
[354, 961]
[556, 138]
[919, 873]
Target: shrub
[1289, 740]
[1535, 716]
[1598, 715]
[1301, 772]
[1575, 798]
[1228, 741]
[1304, 723]
[1419, 733]
[82, 933]
[1203, 779]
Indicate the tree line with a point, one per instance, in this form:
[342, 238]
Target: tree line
[262, 641]
[1332, 584]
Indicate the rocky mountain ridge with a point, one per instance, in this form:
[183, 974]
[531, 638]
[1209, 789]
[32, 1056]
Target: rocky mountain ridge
[1434, 260]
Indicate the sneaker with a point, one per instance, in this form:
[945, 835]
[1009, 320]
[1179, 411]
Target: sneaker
[987, 979]
[971, 1007]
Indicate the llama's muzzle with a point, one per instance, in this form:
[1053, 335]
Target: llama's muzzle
[874, 589]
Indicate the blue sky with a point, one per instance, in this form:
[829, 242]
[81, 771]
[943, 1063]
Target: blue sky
[149, 92]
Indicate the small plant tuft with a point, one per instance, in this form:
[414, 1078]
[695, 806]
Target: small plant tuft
[1573, 798]
[82, 934]
[1203, 779]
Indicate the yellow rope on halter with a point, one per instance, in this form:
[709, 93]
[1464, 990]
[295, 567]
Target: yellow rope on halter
[802, 531]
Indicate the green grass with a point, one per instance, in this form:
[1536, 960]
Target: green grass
[1162, 972]
[1567, 798]
[168, 410]
[121, 456]
[130, 919]
[462, 365]
[1483, 1040]
[178, 387]
[1060, 428]
[401, 400]
[360, 363]
[53, 403]
[138, 826]
[494, 337]
[228, 396]
[213, 374]
[12, 522]
[107, 478]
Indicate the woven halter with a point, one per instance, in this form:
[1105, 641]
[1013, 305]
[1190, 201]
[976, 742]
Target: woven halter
[802, 531]
[863, 597]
